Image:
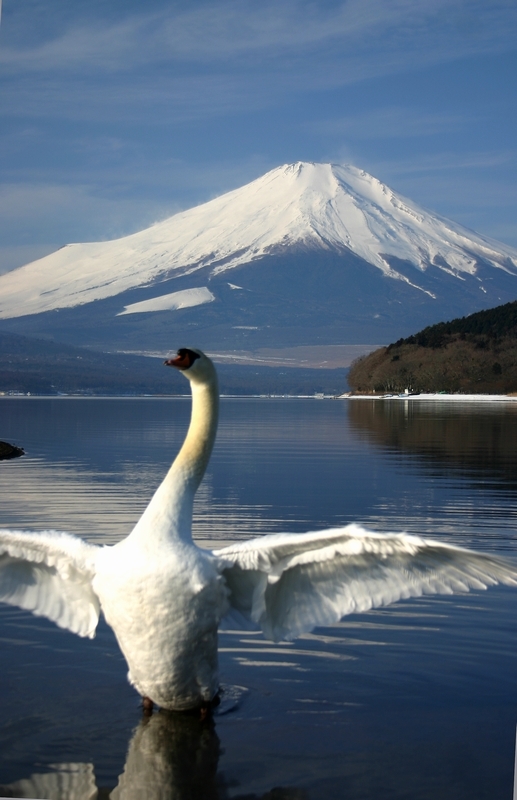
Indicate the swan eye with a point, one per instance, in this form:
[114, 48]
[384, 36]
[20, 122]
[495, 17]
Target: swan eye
[184, 358]
[188, 355]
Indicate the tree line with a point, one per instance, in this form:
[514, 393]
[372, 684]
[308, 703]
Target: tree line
[473, 354]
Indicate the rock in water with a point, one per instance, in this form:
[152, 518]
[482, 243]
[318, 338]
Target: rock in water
[10, 451]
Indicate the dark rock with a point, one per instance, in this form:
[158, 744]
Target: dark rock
[10, 451]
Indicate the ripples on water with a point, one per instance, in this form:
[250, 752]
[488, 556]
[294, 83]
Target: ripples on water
[418, 700]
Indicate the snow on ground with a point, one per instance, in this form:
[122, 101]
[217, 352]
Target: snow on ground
[326, 206]
[171, 302]
[449, 398]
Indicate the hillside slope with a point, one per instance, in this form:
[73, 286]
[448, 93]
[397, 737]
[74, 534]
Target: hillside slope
[477, 353]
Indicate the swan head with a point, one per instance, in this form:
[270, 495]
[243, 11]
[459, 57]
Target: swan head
[194, 364]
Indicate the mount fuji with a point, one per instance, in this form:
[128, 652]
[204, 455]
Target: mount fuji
[306, 254]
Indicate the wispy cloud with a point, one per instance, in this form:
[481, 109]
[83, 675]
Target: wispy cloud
[383, 123]
[475, 188]
[53, 206]
[99, 203]
[212, 58]
[446, 161]
[201, 33]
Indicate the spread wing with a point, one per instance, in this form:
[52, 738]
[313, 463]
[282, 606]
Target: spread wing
[287, 584]
[50, 574]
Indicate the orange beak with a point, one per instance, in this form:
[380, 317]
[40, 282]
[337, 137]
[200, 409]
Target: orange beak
[180, 362]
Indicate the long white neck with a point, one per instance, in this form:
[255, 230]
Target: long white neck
[169, 514]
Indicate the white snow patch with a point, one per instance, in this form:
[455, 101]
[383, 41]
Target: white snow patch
[186, 298]
[433, 397]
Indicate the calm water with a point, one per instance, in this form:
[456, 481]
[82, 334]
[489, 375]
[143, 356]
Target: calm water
[415, 701]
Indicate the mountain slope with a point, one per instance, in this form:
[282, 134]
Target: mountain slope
[42, 367]
[306, 246]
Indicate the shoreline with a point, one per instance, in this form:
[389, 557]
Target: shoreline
[424, 396]
[440, 397]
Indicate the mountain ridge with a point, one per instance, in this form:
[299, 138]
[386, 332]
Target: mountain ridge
[307, 250]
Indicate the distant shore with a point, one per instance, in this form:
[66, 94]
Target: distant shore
[433, 397]
[438, 396]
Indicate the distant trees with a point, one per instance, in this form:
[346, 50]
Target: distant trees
[477, 353]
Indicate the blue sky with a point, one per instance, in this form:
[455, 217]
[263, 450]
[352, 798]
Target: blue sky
[118, 113]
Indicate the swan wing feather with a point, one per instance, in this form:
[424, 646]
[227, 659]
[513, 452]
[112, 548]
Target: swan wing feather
[50, 573]
[287, 584]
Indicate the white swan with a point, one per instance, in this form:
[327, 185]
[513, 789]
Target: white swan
[165, 597]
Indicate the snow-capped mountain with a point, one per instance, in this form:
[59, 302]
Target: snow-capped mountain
[303, 232]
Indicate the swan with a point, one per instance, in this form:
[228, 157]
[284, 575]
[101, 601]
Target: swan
[165, 598]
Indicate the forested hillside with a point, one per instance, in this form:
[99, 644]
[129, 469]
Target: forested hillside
[477, 353]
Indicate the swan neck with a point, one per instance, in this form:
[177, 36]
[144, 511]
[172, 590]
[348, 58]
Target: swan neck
[168, 516]
[192, 460]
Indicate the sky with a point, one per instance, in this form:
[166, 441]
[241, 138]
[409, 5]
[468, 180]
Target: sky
[115, 114]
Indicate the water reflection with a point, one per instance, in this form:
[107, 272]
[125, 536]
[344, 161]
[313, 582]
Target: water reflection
[415, 701]
[474, 441]
[170, 757]
[69, 782]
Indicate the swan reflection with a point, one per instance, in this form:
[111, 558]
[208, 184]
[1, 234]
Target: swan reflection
[171, 756]
[68, 782]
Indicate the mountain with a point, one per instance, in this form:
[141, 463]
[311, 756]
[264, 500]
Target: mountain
[473, 354]
[42, 367]
[306, 254]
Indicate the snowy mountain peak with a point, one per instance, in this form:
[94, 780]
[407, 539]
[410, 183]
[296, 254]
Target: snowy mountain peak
[303, 205]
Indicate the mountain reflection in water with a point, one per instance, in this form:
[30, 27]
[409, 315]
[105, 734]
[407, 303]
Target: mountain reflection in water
[170, 757]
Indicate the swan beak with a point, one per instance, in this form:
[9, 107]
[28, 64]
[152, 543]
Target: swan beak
[180, 362]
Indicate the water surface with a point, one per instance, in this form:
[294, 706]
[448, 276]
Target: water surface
[415, 701]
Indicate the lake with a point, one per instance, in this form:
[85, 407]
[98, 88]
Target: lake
[418, 700]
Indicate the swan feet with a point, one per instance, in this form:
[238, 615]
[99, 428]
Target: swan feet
[204, 712]
[148, 706]
[206, 708]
